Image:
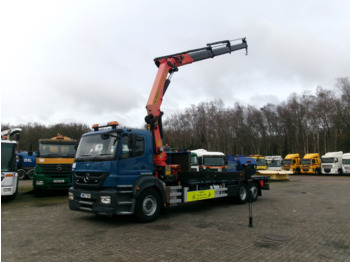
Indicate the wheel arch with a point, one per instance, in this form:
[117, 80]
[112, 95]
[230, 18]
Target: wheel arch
[146, 182]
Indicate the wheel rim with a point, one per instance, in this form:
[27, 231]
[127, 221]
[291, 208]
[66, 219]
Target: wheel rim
[149, 205]
[254, 191]
[242, 193]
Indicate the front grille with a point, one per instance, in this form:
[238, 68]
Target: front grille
[89, 179]
[56, 168]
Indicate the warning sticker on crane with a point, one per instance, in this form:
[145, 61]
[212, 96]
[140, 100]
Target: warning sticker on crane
[200, 195]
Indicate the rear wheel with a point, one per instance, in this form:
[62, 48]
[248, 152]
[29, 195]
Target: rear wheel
[241, 198]
[21, 174]
[254, 191]
[148, 206]
[31, 174]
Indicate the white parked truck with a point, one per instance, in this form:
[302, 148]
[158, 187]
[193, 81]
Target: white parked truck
[274, 162]
[331, 163]
[9, 175]
[211, 161]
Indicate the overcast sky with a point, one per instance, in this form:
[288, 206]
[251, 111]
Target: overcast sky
[92, 61]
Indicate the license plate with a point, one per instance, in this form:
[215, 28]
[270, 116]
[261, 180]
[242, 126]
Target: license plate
[58, 181]
[85, 195]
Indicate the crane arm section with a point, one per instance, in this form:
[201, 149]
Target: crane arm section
[167, 65]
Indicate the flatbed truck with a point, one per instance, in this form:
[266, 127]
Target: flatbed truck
[122, 171]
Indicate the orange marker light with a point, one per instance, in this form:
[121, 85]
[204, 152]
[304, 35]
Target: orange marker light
[113, 123]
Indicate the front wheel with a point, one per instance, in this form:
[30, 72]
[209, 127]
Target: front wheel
[147, 206]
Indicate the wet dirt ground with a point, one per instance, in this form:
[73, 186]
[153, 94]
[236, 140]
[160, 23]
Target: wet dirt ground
[304, 219]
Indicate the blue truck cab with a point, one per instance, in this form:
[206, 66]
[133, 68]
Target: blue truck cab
[239, 163]
[111, 168]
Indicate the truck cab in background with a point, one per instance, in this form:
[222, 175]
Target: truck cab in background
[53, 167]
[239, 163]
[211, 161]
[9, 175]
[194, 162]
[274, 162]
[346, 163]
[331, 163]
[311, 164]
[260, 162]
[291, 163]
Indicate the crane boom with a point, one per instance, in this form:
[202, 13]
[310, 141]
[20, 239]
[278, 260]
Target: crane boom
[167, 65]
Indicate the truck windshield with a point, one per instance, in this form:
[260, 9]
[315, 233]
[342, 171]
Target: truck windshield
[305, 162]
[274, 163]
[97, 147]
[327, 160]
[287, 162]
[261, 162]
[55, 150]
[8, 157]
[194, 160]
[214, 161]
[346, 161]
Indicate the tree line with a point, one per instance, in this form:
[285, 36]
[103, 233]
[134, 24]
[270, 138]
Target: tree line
[303, 124]
[32, 132]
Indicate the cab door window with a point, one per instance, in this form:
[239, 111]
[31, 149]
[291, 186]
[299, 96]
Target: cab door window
[133, 146]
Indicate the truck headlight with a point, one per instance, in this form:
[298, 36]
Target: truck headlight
[106, 200]
[70, 196]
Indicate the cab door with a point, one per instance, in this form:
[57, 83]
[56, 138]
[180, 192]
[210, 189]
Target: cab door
[134, 160]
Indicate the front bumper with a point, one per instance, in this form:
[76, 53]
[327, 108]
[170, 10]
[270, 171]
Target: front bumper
[87, 200]
[41, 181]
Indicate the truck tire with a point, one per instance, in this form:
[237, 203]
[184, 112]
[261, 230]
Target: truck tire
[254, 191]
[147, 206]
[242, 196]
[30, 174]
[21, 174]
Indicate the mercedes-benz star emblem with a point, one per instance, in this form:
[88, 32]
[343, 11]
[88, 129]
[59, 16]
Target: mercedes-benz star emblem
[87, 178]
[59, 167]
